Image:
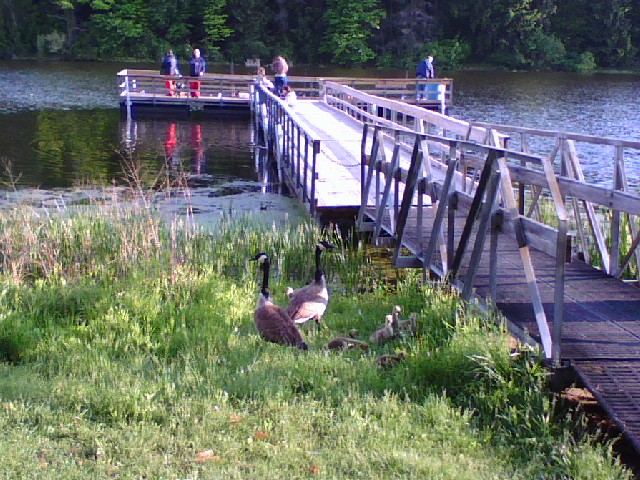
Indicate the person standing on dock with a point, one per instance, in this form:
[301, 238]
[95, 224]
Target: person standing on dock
[290, 96]
[263, 80]
[280, 68]
[196, 69]
[169, 67]
[424, 70]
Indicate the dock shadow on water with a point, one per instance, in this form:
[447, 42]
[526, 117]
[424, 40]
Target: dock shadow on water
[213, 166]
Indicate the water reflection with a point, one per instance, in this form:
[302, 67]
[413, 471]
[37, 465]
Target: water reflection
[52, 148]
[84, 138]
[197, 148]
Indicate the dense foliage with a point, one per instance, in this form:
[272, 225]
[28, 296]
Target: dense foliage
[533, 34]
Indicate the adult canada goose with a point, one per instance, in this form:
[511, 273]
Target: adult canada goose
[273, 323]
[310, 302]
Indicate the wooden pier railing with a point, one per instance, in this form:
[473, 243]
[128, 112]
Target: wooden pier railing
[604, 210]
[367, 107]
[495, 190]
[149, 87]
[482, 210]
[293, 146]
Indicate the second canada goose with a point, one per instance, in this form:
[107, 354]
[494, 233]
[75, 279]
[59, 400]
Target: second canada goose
[272, 321]
[310, 302]
[395, 313]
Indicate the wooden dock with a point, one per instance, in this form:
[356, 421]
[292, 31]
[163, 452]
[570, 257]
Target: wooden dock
[144, 91]
[474, 205]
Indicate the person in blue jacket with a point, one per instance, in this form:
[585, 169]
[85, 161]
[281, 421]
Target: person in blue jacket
[169, 68]
[196, 69]
[424, 70]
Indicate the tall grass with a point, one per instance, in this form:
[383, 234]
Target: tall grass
[129, 351]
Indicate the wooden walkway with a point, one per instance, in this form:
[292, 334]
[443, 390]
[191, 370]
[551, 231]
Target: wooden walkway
[437, 188]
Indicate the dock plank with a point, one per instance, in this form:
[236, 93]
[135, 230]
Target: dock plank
[338, 165]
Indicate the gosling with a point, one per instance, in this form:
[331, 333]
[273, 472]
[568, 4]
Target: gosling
[388, 361]
[383, 334]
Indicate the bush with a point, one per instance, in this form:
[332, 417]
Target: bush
[448, 54]
[586, 62]
[546, 50]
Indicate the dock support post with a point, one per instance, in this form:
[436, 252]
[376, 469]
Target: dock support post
[128, 97]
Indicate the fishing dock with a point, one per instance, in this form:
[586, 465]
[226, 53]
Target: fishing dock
[503, 213]
[145, 92]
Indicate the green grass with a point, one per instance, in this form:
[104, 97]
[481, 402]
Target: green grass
[129, 351]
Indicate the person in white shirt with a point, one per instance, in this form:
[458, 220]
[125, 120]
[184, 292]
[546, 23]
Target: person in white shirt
[263, 80]
[289, 95]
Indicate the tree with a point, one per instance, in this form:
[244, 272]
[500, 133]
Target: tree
[122, 28]
[618, 48]
[250, 36]
[74, 13]
[605, 28]
[9, 27]
[306, 29]
[350, 24]
[513, 32]
[215, 23]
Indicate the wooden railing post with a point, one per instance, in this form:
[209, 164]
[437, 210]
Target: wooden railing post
[313, 203]
[305, 174]
[614, 256]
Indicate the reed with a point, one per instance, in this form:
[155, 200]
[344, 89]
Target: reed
[129, 350]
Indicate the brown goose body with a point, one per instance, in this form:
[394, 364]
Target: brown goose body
[273, 322]
[310, 302]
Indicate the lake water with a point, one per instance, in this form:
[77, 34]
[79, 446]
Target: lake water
[60, 127]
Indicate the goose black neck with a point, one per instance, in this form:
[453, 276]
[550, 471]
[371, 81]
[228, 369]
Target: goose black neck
[319, 272]
[265, 278]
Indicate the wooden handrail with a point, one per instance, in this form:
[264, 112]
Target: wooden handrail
[294, 159]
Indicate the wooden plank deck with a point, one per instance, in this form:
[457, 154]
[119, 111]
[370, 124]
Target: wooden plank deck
[338, 165]
[339, 162]
[600, 338]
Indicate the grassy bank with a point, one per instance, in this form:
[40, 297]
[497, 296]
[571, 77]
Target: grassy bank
[129, 351]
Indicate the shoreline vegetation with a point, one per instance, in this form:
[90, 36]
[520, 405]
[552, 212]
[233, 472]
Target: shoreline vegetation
[128, 350]
[229, 66]
[520, 34]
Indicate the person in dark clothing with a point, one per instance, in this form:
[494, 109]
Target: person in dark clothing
[424, 70]
[280, 68]
[196, 69]
[169, 67]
